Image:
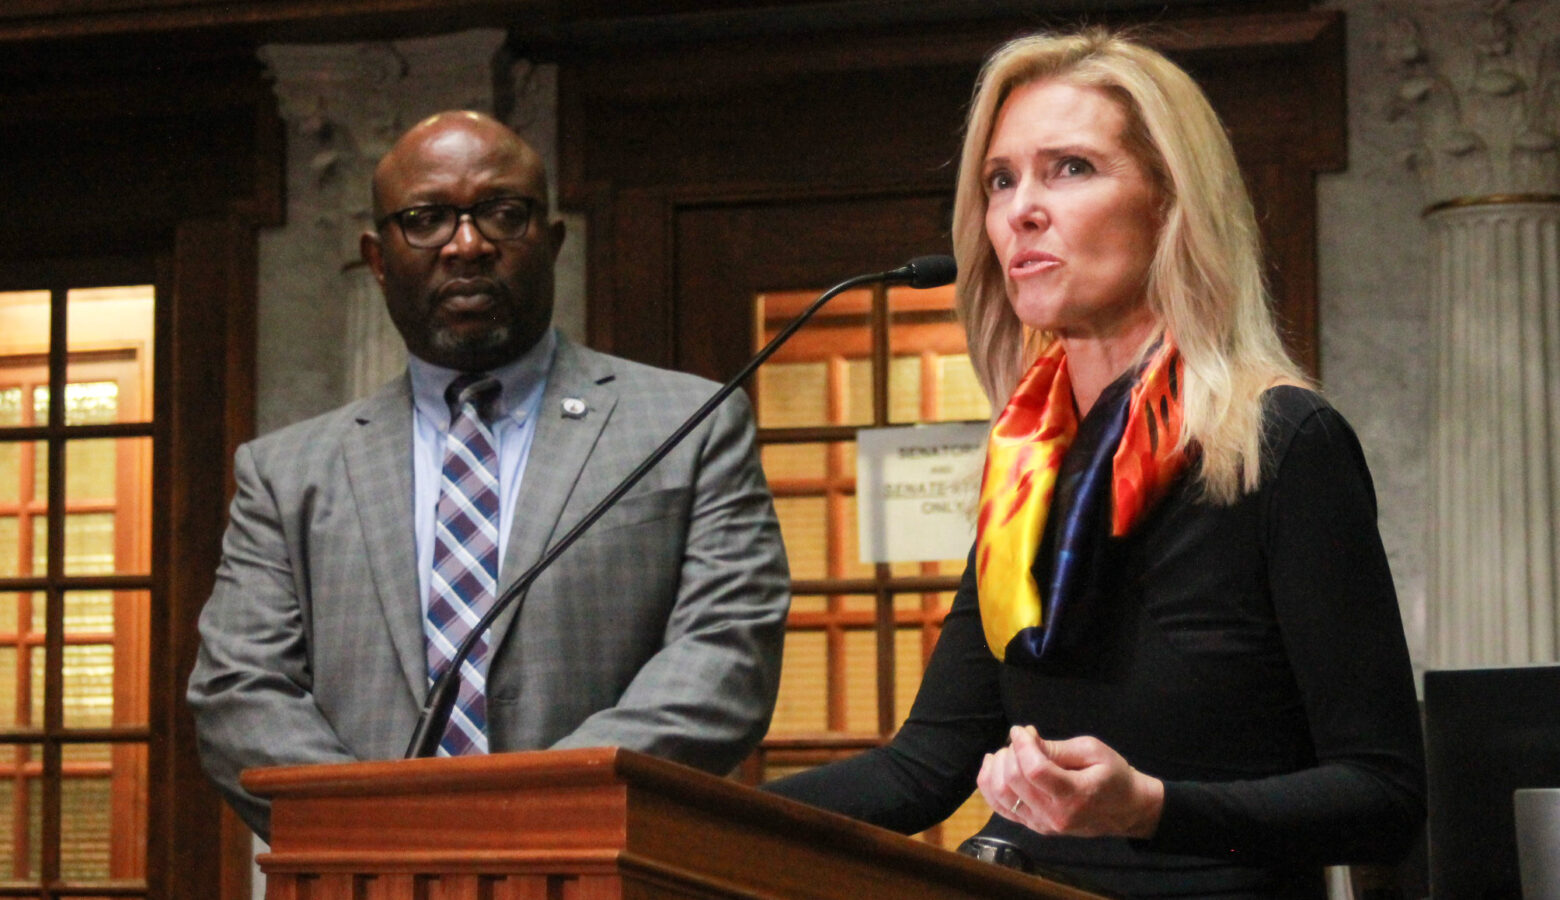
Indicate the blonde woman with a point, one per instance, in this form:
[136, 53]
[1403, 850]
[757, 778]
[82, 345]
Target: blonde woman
[1175, 665]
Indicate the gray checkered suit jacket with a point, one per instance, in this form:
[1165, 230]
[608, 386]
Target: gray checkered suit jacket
[660, 630]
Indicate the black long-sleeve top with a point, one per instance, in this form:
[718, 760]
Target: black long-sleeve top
[1251, 656]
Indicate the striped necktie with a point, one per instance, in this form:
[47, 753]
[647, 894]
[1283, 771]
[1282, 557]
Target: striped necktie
[464, 578]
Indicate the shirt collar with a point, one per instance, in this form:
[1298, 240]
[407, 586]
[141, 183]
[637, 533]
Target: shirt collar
[522, 380]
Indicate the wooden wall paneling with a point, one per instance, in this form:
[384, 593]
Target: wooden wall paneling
[642, 317]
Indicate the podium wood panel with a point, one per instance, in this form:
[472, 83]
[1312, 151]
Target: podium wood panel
[594, 824]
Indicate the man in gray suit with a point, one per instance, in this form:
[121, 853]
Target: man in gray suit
[660, 630]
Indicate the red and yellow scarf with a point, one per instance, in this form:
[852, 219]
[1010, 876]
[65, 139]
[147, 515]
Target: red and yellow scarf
[1024, 456]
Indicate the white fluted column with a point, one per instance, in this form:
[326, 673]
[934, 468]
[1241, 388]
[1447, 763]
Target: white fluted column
[1495, 452]
[1482, 81]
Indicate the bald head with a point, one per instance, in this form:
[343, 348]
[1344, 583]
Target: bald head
[483, 296]
[439, 137]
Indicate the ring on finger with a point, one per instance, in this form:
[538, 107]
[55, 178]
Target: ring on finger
[1016, 804]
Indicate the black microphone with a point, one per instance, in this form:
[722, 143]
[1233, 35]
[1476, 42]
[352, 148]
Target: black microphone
[924, 272]
[921, 272]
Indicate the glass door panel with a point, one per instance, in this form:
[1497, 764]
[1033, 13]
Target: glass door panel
[76, 445]
[859, 634]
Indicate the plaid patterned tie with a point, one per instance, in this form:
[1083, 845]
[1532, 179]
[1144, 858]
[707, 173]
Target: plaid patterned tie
[465, 558]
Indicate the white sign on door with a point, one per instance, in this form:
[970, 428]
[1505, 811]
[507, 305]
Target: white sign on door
[918, 490]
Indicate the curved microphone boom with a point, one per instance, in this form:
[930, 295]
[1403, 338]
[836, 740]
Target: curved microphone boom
[921, 272]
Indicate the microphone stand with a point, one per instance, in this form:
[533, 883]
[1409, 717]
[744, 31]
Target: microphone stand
[921, 272]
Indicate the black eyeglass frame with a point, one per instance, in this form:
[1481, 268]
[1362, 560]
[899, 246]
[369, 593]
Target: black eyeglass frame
[532, 204]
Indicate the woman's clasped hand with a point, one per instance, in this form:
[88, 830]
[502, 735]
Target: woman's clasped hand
[1074, 787]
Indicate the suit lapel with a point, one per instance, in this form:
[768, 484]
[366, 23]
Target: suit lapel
[379, 468]
[564, 441]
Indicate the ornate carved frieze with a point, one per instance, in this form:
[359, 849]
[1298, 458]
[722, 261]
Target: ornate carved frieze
[1482, 80]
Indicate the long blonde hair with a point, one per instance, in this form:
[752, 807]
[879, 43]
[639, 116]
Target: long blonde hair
[1205, 282]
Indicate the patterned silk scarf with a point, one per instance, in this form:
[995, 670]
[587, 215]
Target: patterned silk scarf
[1130, 466]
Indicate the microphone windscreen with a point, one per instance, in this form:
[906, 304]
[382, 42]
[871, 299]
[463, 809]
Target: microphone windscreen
[932, 271]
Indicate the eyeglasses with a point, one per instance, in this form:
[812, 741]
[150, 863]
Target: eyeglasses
[432, 225]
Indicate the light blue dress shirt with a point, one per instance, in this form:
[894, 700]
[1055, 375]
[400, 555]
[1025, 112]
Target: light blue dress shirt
[513, 426]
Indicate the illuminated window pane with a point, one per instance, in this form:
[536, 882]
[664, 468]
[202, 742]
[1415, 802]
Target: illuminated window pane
[9, 867]
[86, 403]
[10, 546]
[904, 389]
[106, 632]
[829, 376]
[24, 328]
[861, 682]
[802, 527]
[128, 778]
[8, 690]
[110, 317]
[858, 393]
[102, 677]
[858, 603]
[89, 543]
[91, 471]
[24, 319]
[84, 828]
[112, 475]
[803, 705]
[21, 658]
[960, 396]
[784, 462]
[792, 394]
[21, 812]
[10, 406]
[91, 403]
[89, 686]
[809, 604]
[40, 479]
[89, 613]
[10, 473]
[103, 812]
[40, 545]
[34, 663]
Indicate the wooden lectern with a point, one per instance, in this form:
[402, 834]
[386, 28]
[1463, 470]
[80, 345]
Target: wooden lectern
[586, 825]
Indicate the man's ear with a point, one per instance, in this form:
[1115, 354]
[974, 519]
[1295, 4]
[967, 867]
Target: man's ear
[373, 254]
[555, 232]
